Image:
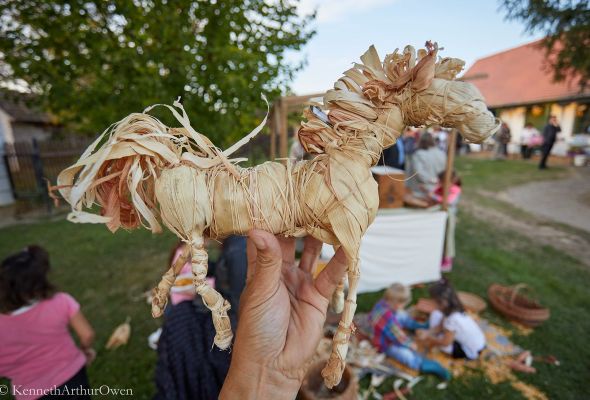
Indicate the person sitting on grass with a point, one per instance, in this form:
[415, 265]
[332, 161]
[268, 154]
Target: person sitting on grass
[451, 328]
[37, 352]
[454, 190]
[390, 320]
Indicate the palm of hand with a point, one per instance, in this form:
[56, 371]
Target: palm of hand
[283, 310]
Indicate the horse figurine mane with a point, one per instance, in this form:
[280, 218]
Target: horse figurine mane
[143, 173]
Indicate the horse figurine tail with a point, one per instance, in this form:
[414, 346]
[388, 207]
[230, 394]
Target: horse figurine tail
[118, 172]
[141, 173]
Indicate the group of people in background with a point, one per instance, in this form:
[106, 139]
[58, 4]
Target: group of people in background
[530, 140]
[422, 155]
[401, 154]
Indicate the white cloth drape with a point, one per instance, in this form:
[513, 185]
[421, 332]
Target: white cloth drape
[400, 246]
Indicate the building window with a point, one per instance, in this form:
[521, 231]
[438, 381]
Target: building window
[537, 115]
[582, 121]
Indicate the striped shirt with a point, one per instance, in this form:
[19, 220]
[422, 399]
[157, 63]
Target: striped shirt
[388, 326]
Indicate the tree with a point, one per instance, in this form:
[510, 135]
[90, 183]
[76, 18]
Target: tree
[94, 61]
[566, 24]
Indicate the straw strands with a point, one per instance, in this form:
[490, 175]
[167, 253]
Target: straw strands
[141, 173]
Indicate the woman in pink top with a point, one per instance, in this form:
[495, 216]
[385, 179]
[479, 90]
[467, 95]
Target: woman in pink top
[37, 352]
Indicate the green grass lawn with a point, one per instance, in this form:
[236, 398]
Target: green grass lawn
[108, 273]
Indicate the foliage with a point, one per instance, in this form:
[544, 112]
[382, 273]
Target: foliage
[94, 61]
[567, 26]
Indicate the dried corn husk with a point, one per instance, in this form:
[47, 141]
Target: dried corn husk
[142, 173]
[451, 104]
[120, 335]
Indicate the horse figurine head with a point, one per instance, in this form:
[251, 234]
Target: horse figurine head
[372, 103]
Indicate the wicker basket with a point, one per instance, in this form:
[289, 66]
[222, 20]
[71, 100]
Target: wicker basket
[472, 302]
[508, 301]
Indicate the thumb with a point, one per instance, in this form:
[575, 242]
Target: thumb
[268, 261]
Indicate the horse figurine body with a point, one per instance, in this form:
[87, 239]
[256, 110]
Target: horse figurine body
[141, 172]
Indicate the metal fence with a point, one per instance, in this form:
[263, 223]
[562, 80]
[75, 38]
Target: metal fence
[31, 165]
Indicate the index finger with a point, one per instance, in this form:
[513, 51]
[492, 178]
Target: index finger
[312, 248]
[287, 249]
[331, 276]
[251, 254]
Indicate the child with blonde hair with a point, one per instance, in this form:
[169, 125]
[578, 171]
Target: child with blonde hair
[390, 321]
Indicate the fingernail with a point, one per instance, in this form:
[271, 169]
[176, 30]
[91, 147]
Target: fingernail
[259, 242]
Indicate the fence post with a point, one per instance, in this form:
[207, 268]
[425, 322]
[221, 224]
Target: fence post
[39, 175]
[12, 196]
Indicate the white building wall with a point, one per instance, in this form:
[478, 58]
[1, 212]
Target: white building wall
[515, 118]
[6, 134]
[566, 116]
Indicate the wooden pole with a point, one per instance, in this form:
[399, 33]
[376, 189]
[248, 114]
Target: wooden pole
[273, 132]
[283, 138]
[452, 145]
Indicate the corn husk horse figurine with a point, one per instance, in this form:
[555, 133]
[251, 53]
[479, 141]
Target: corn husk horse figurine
[141, 172]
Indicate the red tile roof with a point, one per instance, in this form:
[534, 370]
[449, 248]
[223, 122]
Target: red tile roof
[520, 76]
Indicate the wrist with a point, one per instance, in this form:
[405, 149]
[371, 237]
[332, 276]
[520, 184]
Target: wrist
[249, 380]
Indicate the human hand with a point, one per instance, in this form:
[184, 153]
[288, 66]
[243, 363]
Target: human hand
[282, 314]
[90, 355]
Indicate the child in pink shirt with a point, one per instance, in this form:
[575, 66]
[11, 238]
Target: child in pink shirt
[454, 190]
[37, 352]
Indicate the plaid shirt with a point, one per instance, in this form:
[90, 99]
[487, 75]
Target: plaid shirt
[389, 325]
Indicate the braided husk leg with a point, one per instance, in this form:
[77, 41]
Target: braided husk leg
[332, 372]
[212, 299]
[161, 292]
[337, 300]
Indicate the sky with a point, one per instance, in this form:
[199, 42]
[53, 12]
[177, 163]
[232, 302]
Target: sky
[467, 29]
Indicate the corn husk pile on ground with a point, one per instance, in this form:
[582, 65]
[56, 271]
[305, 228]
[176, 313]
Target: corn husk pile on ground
[120, 335]
[142, 173]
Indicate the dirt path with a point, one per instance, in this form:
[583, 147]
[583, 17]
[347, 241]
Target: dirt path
[572, 244]
[546, 200]
[565, 201]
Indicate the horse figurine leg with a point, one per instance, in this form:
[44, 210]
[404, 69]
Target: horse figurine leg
[337, 300]
[212, 299]
[161, 292]
[183, 188]
[332, 372]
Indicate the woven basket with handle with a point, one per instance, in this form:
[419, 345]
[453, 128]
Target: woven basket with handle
[510, 302]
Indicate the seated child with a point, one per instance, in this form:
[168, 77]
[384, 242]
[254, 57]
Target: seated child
[389, 320]
[37, 350]
[451, 329]
[454, 190]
